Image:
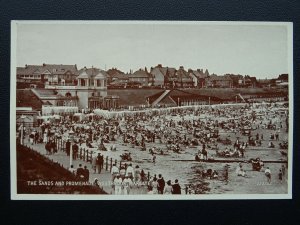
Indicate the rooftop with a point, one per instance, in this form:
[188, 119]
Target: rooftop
[47, 69]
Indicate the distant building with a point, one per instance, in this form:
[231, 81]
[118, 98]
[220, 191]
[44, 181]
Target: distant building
[112, 74]
[175, 97]
[91, 87]
[198, 77]
[237, 80]
[90, 91]
[170, 77]
[265, 82]
[119, 80]
[140, 76]
[183, 78]
[158, 74]
[215, 81]
[194, 78]
[282, 80]
[52, 74]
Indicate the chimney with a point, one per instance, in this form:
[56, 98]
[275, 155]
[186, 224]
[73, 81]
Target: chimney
[199, 70]
[190, 70]
[159, 65]
[44, 64]
[181, 67]
[26, 66]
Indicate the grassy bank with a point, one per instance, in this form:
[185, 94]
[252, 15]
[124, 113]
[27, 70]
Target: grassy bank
[38, 175]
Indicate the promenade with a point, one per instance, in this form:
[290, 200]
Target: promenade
[104, 177]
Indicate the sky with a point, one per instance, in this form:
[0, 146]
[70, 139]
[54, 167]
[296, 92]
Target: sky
[252, 49]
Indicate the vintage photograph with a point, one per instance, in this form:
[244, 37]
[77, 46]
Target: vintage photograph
[151, 110]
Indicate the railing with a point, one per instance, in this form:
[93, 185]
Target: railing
[86, 155]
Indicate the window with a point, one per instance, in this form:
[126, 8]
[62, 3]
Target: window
[82, 82]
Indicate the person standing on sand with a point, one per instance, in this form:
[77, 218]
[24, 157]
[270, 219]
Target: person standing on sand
[94, 163]
[114, 172]
[130, 171]
[154, 185]
[45, 138]
[31, 138]
[268, 174]
[75, 150]
[86, 173]
[226, 175]
[161, 184]
[68, 147]
[127, 184]
[118, 185]
[99, 163]
[176, 189]
[153, 158]
[97, 183]
[122, 172]
[280, 176]
[143, 176]
[137, 175]
[72, 170]
[283, 170]
[168, 188]
[80, 173]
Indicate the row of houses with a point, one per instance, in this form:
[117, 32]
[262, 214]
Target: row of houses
[158, 76]
[51, 73]
[168, 77]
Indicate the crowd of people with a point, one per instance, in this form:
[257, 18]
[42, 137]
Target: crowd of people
[127, 177]
[175, 129]
[81, 173]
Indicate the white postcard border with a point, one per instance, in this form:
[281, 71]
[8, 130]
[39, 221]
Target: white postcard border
[15, 196]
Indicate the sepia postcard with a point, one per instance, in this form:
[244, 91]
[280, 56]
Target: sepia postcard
[151, 110]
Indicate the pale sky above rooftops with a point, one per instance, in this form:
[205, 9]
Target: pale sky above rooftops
[251, 49]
